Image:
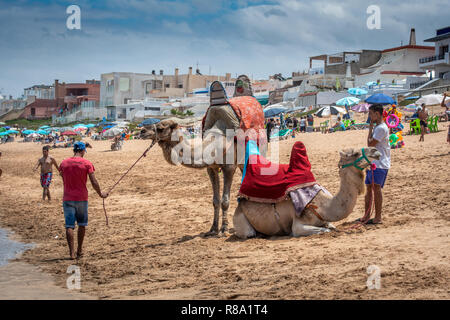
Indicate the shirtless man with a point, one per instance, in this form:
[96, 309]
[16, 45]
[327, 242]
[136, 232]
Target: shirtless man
[423, 116]
[446, 105]
[46, 163]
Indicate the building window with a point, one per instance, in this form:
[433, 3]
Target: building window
[167, 85]
[124, 84]
[180, 86]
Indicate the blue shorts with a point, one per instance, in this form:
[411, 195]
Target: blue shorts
[379, 176]
[75, 211]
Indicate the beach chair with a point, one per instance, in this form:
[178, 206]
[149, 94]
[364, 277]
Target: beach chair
[324, 126]
[430, 123]
[433, 124]
[414, 126]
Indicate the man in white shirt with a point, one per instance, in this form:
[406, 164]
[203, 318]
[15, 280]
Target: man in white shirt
[379, 138]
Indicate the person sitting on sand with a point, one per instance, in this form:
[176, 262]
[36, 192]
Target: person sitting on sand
[379, 138]
[46, 163]
[74, 172]
[423, 116]
[339, 125]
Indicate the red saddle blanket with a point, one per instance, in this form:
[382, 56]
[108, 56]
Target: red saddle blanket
[271, 182]
[250, 115]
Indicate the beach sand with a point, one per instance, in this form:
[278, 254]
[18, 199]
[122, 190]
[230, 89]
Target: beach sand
[153, 248]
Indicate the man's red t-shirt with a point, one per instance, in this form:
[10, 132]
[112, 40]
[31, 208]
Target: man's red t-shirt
[75, 171]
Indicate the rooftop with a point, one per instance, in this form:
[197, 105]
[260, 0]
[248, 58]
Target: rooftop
[441, 34]
[409, 47]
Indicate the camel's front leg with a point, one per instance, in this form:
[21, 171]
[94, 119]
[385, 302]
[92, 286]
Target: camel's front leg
[228, 173]
[299, 229]
[215, 182]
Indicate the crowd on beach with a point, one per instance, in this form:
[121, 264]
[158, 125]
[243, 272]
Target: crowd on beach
[75, 170]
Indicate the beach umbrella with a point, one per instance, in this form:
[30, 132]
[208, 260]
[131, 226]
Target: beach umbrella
[80, 129]
[348, 101]
[329, 110]
[42, 132]
[430, 99]
[27, 132]
[371, 83]
[412, 98]
[34, 135]
[66, 129]
[44, 127]
[12, 132]
[69, 133]
[4, 133]
[90, 125]
[103, 124]
[2, 123]
[356, 91]
[149, 122]
[410, 108]
[380, 98]
[7, 128]
[112, 132]
[273, 112]
[2, 129]
[363, 107]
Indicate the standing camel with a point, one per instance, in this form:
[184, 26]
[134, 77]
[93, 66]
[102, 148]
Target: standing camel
[220, 117]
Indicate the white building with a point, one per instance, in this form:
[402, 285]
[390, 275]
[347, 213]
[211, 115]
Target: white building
[119, 88]
[440, 61]
[395, 65]
[40, 92]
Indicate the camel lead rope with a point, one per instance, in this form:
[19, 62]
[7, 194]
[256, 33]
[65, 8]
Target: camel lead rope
[371, 202]
[115, 184]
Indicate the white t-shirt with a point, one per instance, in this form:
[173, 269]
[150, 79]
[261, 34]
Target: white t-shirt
[381, 134]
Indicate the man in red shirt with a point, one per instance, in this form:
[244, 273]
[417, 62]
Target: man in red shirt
[74, 172]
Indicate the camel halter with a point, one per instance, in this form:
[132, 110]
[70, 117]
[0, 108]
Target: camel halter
[355, 163]
[123, 176]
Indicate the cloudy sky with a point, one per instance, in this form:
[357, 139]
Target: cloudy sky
[256, 37]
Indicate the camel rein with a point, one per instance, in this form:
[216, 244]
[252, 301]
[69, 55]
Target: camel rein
[372, 192]
[123, 176]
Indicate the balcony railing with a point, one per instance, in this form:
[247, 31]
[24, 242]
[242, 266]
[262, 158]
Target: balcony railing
[432, 58]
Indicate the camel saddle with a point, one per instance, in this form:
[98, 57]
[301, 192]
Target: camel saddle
[268, 182]
[240, 112]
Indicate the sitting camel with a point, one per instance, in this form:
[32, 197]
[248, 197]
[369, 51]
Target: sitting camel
[281, 218]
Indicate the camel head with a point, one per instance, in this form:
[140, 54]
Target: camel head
[349, 156]
[162, 131]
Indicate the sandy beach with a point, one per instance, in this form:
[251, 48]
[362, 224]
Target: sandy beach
[153, 248]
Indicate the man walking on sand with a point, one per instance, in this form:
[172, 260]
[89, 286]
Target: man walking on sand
[74, 172]
[46, 163]
[379, 138]
[423, 116]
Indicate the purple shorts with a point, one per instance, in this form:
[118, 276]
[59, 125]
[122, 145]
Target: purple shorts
[379, 176]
